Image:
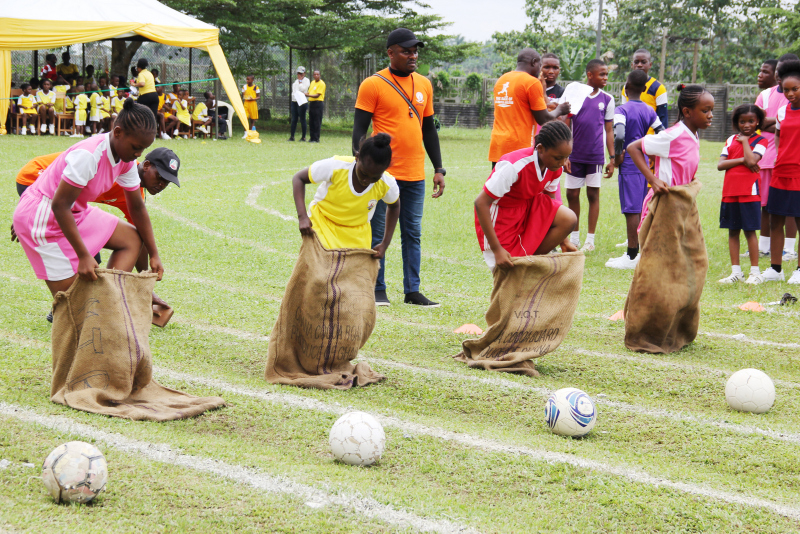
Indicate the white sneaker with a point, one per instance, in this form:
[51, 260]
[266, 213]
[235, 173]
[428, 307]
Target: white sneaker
[76, 135]
[587, 247]
[203, 129]
[754, 280]
[102, 131]
[43, 128]
[165, 137]
[795, 279]
[763, 253]
[623, 262]
[33, 129]
[745, 254]
[789, 255]
[624, 244]
[175, 133]
[771, 275]
[244, 136]
[24, 131]
[732, 279]
[52, 129]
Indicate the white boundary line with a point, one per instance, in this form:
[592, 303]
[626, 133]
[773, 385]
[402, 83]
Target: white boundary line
[252, 201]
[744, 339]
[167, 454]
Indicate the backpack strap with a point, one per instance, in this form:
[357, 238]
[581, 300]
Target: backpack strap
[401, 93]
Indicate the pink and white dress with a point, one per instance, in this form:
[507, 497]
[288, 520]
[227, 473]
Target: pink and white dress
[90, 166]
[771, 101]
[677, 153]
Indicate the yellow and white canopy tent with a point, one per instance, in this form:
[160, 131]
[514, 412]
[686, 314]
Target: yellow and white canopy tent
[43, 24]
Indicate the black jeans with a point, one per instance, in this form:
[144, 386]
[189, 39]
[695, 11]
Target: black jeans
[315, 109]
[301, 112]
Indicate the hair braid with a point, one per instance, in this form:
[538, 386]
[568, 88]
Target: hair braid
[689, 97]
[136, 118]
[552, 134]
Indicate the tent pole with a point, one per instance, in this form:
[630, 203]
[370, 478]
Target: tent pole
[290, 81]
[217, 95]
[35, 64]
[190, 71]
[83, 58]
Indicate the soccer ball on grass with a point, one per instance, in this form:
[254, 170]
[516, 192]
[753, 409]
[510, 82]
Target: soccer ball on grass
[570, 412]
[75, 472]
[750, 390]
[357, 438]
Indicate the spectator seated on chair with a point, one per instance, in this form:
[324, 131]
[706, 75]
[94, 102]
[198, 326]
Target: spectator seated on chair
[46, 103]
[26, 107]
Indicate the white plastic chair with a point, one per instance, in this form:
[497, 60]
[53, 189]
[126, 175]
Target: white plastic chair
[231, 114]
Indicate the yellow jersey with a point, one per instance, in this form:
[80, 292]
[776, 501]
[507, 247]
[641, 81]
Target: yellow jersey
[146, 77]
[250, 92]
[200, 112]
[338, 214]
[181, 108]
[316, 88]
[117, 103]
[27, 104]
[46, 98]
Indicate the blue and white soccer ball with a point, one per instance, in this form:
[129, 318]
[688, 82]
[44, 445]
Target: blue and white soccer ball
[570, 412]
[75, 472]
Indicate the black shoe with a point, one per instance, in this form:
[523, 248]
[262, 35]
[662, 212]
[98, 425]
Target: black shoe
[98, 258]
[302, 139]
[418, 299]
[380, 298]
[291, 139]
[49, 317]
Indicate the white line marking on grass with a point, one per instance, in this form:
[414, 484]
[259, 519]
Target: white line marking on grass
[215, 233]
[252, 201]
[17, 279]
[214, 329]
[489, 445]
[621, 406]
[166, 454]
[24, 341]
[744, 339]
[216, 284]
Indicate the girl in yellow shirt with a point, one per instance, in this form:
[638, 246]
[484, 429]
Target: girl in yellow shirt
[81, 102]
[349, 189]
[26, 105]
[46, 100]
[250, 95]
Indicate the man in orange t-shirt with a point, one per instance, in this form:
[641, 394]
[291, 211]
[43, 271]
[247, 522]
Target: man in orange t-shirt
[519, 104]
[399, 102]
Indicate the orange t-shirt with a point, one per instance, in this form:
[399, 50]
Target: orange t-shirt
[390, 114]
[516, 94]
[113, 197]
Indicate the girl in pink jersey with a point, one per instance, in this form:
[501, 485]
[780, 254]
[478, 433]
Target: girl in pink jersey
[676, 149]
[784, 188]
[516, 214]
[61, 233]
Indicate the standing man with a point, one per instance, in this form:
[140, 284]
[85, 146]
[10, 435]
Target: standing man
[551, 68]
[316, 105]
[299, 102]
[67, 69]
[399, 102]
[655, 94]
[519, 105]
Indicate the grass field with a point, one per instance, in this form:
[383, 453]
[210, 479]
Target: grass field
[467, 450]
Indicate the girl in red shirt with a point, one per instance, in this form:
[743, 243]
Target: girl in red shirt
[741, 196]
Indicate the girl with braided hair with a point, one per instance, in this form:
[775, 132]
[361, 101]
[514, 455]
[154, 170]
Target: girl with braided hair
[516, 213]
[61, 233]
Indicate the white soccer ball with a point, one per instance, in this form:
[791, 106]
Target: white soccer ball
[750, 390]
[357, 438]
[75, 472]
[570, 412]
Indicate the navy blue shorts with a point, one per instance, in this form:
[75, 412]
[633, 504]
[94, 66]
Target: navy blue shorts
[783, 202]
[740, 216]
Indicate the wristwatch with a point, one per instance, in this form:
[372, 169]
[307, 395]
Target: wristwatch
[441, 170]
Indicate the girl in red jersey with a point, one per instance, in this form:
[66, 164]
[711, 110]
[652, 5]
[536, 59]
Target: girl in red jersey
[784, 187]
[516, 214]
[741, 195]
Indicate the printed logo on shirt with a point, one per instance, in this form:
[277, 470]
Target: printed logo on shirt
[173, 164]
[601, 105]
[373, 202]
[420, 98]
[505, 100]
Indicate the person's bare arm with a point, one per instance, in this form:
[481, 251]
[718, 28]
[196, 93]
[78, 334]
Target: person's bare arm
[482, 207]
[64, 198]
[725, 163]
[609, 126]
[542, 116]
[299, 182]
[769, 125]
[777, 139]
[392, 214]
[141, 220]
[637, 156]
[751, 159]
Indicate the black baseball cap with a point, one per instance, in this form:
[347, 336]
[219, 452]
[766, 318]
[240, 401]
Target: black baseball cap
[404, 38]
[166, 162]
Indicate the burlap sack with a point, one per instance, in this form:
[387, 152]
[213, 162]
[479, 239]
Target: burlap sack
[326, 316]
[530, 313]
[101, 352]
[662, 311]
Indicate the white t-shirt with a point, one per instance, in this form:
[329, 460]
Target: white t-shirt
[301, 86]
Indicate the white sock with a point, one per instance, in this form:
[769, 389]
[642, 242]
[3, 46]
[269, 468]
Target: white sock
[754, 270]
[590, 238]
[736, 269]
[763, 244]
[788, 244]
[575, 237]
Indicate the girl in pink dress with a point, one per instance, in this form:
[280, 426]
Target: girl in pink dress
[61, 233]
[676, 149]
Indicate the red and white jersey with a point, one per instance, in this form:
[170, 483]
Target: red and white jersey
[770, 100]
[786, 174]
[741, 181]
[517, 177]
[677, 152]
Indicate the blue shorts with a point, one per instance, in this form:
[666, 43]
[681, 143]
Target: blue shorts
[740, 216]
[632, 190]
[783, 202]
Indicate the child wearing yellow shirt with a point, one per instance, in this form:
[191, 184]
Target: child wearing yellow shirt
[250, 96]
[26, 105]
[181, 109]
[81, 103]
[46, 101]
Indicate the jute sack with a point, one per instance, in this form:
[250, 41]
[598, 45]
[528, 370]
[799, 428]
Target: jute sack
[326, 315]
[662, 311]
[530, 313]
[101, 352]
